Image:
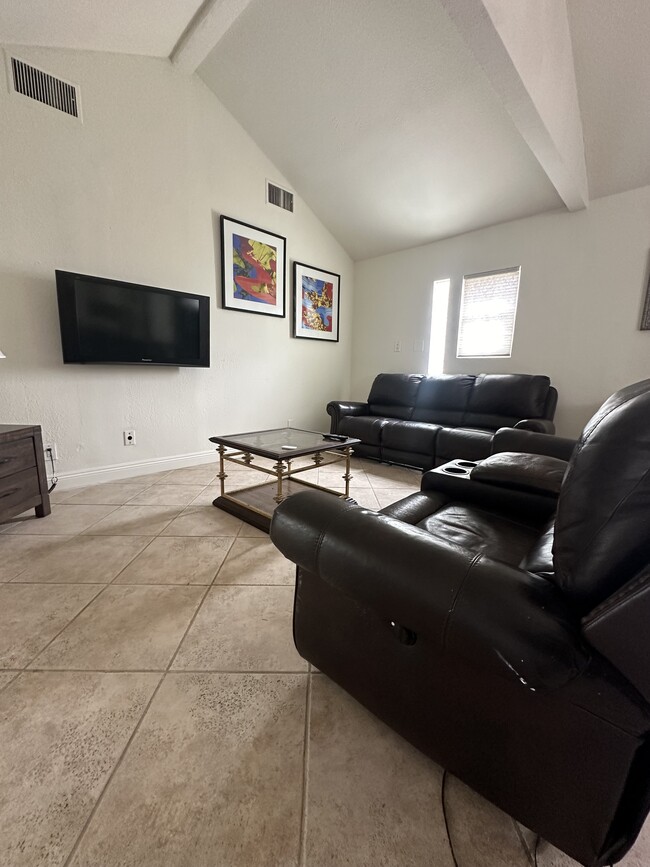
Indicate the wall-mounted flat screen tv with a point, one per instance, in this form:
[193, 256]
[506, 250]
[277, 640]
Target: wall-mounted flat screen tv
[111, 322]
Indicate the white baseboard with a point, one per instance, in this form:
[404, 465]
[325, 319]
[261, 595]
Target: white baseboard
[122, 472]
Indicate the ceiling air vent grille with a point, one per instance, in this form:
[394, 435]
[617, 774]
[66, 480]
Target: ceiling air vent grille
[275, 195]
[45, 88]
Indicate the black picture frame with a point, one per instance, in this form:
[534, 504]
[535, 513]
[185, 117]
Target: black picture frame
[645, 316]
[312, 321]
[253, 269]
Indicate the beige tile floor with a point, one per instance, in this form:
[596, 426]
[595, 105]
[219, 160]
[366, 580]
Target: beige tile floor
[154, 712]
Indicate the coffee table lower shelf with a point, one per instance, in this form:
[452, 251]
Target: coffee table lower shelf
[256, 505]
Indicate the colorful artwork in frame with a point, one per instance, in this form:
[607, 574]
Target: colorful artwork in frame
[253, 268]
[316, 302]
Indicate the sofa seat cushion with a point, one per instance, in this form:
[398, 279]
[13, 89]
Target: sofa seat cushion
[470, 443]
[482, 532]
[410, 436]
[367, 428]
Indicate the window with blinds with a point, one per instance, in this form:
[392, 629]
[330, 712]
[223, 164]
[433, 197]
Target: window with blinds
[488, 309]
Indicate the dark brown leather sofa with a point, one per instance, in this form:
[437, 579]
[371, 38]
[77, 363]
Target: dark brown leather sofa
[423, 421]
[500, 627]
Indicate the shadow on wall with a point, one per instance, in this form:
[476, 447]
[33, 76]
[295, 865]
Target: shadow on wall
[29, 320]
[571, 420]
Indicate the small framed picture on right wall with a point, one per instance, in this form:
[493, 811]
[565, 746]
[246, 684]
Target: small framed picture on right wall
[315, 303]
[645, 316]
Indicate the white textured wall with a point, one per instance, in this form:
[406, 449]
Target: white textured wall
[134, 193]
[583, 279]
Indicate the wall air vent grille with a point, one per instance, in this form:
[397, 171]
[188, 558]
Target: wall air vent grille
[45, 88]
[275, 195]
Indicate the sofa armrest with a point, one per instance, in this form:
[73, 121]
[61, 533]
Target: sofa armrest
[495, 617]
[523, 472]
[338, 409]
[537, 425]
[537, 505]
[508, 439]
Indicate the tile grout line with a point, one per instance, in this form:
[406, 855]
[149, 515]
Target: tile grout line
[270, 671]
[189, 626]
[133, 734]
[66, 503]
[132, 560]
[162, 482]
[125, 480]
[97, 595]
[138, 583]
[302, 849]
[90, 601]
[75, 583]
[104, 586]
[112, 774]
[221, 565]
[45, 535]
[86, 533]
[11, 680]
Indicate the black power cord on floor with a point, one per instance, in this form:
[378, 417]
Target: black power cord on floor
[451, 845]
[54, 476]
[444, 816]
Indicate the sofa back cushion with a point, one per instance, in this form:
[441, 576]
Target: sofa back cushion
[393, 394]
[502, 399]
[443, 399]
[601, 530]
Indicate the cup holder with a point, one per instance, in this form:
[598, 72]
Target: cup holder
[456, 471]
[468, 464]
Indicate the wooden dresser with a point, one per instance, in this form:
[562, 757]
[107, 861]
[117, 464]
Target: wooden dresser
[23, 481]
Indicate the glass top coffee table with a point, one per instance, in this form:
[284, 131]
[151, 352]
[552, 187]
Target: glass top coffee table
[255, 504]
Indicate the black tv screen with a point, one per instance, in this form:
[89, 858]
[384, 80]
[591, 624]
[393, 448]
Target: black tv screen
[111, 322]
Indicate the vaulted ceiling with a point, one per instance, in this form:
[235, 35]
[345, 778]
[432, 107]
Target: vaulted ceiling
[402, 123]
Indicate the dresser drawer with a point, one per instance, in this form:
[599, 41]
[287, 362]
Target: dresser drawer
[21, 487]
[16, 456]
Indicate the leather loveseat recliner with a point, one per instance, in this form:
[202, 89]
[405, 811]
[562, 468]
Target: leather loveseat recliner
[423, 421]
[498, 619]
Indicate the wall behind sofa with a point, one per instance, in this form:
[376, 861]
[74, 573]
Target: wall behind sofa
[583, 279]
[134, 192]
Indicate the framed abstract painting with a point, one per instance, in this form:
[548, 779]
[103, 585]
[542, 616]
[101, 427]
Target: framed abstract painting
[253, 268]
[315, 303]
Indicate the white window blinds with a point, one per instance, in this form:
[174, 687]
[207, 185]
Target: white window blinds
[487, 313]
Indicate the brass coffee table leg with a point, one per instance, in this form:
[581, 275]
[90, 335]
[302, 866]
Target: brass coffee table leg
[222, 475]
[347, 476]
[279, 473]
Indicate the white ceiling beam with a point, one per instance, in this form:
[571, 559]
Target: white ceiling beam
[524, 48]
[210, 24]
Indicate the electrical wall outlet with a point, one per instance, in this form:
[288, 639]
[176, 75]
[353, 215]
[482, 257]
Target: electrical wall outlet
[51, 448]
[397, 346]
[129, 437]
